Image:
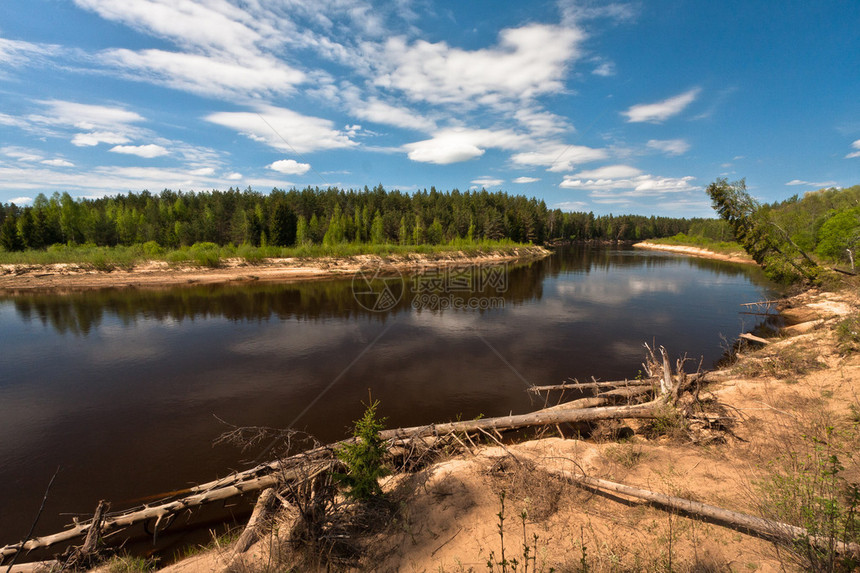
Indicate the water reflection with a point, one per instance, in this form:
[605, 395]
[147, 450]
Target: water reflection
[82, 312]
[122, 387]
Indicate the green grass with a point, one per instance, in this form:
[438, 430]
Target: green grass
[724, 247]
[212, 255]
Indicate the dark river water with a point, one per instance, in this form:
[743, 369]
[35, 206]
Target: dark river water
[126, 390]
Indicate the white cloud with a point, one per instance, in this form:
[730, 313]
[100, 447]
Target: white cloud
[487, 182]
[527, 62]
[526, 179]
[557, 157]
[571, 205]
[818, 185]
[284, 129]
[233, 176]
[458, 144]
[203, 171]
[669, 146]
[606, 69]
[378, 111]
[95, 137]
[289, 167]
[148, 151]
[662, 110]
[21, 200]
[636, 185]
[542, 123]
[855, 145]
[21, 153]
[17, 52]
[610, 172]
[58, 163]
[87, 116]
[204, 74]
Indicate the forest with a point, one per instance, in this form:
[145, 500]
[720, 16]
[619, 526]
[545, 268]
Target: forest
[311, 216]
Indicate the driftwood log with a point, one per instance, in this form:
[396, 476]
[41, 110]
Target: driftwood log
[767, 528]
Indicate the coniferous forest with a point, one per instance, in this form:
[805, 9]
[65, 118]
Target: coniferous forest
[311, 216]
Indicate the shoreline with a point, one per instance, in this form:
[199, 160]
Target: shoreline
[66, 277]
[696, 252]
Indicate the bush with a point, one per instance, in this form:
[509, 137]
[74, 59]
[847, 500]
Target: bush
[205, 254]
[363, 457]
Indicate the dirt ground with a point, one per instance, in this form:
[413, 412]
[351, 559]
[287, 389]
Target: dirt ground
[68, 277]
[783, 397]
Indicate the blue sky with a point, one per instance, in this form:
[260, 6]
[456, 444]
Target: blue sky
[611, 107]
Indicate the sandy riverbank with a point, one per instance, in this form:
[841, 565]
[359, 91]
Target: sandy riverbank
[23, 278]
[697, 252]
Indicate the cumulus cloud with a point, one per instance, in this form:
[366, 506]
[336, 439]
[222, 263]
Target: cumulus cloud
[527, 62]
[203, 171]
[289, 167]
[661, 110]
[233, 176]
[147, 151]
[21, 200]
[853, 154]
[284, 129]
[526, 179]
[669, 146]
[454, 145]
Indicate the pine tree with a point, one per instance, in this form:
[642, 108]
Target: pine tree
[9, 237]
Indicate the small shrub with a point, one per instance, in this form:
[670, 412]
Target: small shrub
[807, 488]
[152, 250]
[205, 254]
[364, 458]
[848, 335]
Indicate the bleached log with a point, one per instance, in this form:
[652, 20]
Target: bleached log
[736, 520]
[540, 418]
[753, 338]
[613, 397]
[589, 385]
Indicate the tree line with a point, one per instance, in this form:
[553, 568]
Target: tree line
[311, 216]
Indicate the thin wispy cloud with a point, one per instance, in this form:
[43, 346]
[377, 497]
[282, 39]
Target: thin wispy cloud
[661, 110]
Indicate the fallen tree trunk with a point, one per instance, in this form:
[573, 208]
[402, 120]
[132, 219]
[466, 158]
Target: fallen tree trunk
[545, 417]
[612, 397]
[744, 522]
[589, 385]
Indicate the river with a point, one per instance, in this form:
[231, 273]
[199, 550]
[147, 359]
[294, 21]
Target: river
[126, 390]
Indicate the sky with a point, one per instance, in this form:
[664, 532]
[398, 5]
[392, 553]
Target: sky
[590, 106]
